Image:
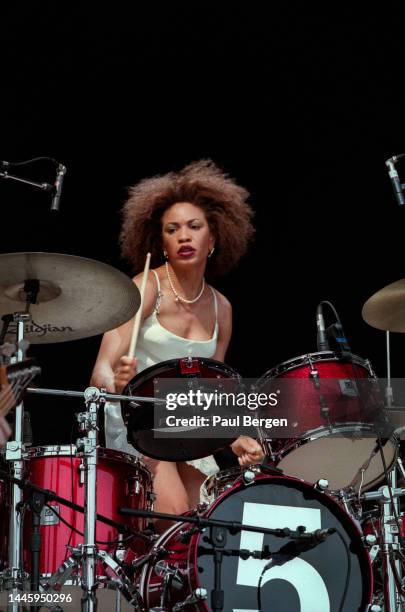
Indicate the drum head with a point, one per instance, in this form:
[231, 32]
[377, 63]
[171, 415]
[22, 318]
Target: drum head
[343, 461]
[333, 576]
[139, 419]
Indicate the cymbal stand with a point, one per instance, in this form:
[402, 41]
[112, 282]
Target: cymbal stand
[14, 575]
[88, 446]
[388, 389]
[391, 539]
[392, 569]
[90, 553]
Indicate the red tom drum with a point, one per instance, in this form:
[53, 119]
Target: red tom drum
[122, 480]
[333, 404]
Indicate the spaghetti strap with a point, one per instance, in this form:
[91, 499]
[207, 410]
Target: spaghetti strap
[157, 279]
[159, 294]
[215, 304]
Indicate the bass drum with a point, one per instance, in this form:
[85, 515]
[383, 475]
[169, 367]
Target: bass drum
[334, 576]
[333, 405]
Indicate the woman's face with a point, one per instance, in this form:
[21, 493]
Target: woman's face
[186, 235]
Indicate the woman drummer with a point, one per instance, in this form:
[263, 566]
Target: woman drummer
[189, 221]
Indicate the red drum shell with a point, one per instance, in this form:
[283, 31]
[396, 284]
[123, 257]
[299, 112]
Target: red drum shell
[122, 480]
[335, 452]
[279, 501]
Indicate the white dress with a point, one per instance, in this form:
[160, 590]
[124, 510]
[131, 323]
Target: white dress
[156, 344]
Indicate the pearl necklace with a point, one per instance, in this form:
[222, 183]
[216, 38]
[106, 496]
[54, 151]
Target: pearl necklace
[180, 298]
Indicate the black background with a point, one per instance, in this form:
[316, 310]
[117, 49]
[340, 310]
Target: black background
[302, 105]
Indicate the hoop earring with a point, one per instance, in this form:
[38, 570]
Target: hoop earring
[211, 252]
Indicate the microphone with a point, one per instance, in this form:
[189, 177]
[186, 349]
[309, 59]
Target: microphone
[58, 187]
[396, 183]
[312, 538]
[336, 334]
[321, 339]
[299, 543]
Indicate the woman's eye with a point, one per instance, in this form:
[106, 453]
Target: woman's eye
[171, 230]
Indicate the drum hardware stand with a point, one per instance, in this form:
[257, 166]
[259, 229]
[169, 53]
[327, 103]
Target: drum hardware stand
[388, 390]
[36, 503]
[233, 527]
[169, 575]
[394, 594]
[90, 554]
[14, 575]
[392, 570]
[217, 539]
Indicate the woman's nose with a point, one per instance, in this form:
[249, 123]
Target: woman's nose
[183, 235]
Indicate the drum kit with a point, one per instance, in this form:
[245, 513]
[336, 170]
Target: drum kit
[316, 527]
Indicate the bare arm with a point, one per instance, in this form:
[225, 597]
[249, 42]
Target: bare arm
[224, 327]
[246, 448]
[112, 370]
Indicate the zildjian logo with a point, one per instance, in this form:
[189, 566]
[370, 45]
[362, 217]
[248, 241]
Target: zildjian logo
[41, 330]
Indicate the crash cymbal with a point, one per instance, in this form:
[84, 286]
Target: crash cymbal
[386, 309]
[77, 297]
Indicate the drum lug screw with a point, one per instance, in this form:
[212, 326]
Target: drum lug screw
[133, 486]
[322, 484]
[370, 539]
[81, 469]
[120, 554]
[248, 477]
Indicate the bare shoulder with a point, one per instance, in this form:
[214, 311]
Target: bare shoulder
[224, 306]
[151, 291]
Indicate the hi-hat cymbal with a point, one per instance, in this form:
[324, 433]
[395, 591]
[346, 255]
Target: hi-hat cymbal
[386, 309]
[77, 297]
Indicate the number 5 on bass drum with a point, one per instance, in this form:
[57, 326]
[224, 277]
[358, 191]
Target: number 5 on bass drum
[334, 575]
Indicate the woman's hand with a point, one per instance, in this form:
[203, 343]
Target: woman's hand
[124, 373]
[247, 450]
[5, 431]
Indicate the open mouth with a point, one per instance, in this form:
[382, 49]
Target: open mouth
[186, 251]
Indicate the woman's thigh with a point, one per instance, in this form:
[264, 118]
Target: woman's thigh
[192, 480]
[171, 495]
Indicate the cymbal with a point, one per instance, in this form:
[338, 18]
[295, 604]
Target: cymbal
[77, 298]
[386, 309]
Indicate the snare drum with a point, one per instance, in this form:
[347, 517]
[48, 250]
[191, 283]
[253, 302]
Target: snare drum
[191, 373]
[334, 575]
[342, 446]
[122, 480]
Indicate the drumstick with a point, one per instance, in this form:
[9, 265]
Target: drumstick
[137, 322]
